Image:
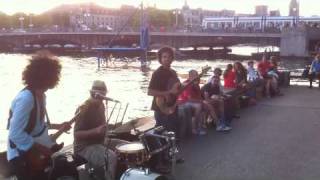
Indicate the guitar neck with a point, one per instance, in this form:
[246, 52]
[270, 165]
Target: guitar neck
[189, 83]
[60, 131]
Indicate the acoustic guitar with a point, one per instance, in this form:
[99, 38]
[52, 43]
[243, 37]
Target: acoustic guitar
[168, 104]
[37, 160]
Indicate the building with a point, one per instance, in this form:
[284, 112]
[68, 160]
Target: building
[89, 16]
[294, 8]
[194, 17]
[261, 10]
[274, 13]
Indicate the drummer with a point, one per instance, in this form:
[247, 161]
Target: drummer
[90, 132]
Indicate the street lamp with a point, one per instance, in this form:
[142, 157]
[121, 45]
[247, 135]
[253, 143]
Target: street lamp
[177, 12]
[56, 27]
[30, 22]
[21, 18]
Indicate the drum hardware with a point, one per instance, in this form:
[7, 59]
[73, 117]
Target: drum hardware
[141, 174]
[173, 151]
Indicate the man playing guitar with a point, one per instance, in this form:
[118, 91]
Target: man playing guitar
[27, 114]
[164, 83]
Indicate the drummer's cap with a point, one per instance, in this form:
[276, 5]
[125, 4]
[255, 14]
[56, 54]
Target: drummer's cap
[99, 86]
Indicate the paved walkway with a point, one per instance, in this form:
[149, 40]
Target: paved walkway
[277, 139]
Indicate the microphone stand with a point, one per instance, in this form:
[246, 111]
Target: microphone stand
[124, 113]
[115, 124]
[106, 159]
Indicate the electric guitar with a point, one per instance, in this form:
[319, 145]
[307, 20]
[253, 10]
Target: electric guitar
[168, 104]
[38, 160]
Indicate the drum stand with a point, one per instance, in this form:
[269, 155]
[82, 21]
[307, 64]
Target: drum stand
[173, 151]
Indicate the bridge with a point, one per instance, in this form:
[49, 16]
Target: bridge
[174, 39]
[292, 42]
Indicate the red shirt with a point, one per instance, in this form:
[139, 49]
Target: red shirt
[264, 67]
[191, 92]
[229, 80]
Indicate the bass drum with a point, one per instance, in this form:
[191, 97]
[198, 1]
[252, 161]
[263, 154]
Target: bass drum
[141, 174]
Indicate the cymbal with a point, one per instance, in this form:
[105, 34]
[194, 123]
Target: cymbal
[139, 123]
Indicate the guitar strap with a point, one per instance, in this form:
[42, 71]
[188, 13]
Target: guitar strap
[31, 121]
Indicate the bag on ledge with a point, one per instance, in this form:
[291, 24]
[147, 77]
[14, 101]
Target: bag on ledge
[5, 169]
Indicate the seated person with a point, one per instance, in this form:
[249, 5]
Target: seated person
[191, 97]
[90, 132]
[216, 72]
[229, 77]
[314, 71]
[240, 75]
[273, 73]
[213, 94]
[254, 80]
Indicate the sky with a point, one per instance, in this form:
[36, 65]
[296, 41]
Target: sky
[307, 7]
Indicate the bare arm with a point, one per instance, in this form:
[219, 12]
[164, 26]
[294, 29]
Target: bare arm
[91, 133]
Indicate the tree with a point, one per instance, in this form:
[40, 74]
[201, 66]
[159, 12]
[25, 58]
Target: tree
[4, 20]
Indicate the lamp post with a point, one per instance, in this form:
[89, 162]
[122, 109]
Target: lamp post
[30, 22]
[177, 12]
[21, 18]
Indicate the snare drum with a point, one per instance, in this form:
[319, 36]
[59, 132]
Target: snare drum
[153, 144]
[141, 174]
[132, 153]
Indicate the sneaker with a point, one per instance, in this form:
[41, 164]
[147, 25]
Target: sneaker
[227, 128]
[219, 128]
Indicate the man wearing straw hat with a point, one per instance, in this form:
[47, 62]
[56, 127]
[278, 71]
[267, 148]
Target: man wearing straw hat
[90, 132]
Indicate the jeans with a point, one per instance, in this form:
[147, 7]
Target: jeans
[169, 122]
[314, 75]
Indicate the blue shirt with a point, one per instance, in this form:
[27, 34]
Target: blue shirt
[315, 66]
[21, 108]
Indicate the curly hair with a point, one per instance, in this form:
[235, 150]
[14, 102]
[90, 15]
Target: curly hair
[165, 49]
[42, 72]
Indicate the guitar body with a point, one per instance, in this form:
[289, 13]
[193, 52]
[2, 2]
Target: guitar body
[36, 161]
[166, 109]
[168, 104]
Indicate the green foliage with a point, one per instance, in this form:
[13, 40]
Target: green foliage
[4, 20]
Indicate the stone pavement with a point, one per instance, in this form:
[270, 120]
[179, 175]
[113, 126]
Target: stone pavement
[277, 139]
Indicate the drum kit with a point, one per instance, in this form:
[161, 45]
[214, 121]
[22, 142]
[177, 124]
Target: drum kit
[150, 141]
[138, 155]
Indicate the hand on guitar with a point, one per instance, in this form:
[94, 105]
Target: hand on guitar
[65, 126]
[174, 89]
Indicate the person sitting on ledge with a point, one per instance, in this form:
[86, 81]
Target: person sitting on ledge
[314, 71]
[213, 94]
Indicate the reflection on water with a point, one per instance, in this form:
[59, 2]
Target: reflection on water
[126, 85]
